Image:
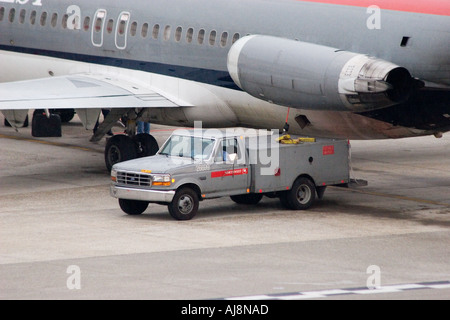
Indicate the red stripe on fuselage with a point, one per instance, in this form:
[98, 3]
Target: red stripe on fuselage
[436, 7]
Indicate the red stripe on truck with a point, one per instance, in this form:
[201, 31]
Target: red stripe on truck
[228, 173]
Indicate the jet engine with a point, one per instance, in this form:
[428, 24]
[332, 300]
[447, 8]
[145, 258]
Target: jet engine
[309, 76]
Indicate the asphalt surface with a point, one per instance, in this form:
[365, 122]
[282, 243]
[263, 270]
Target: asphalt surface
[64, 237]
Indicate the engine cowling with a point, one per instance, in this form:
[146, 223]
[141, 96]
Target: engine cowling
[309, 76]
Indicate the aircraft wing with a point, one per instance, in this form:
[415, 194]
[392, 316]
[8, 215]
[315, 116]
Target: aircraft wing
[81, 91]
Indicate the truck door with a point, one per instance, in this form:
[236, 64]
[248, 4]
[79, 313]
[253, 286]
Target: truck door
[228, 176]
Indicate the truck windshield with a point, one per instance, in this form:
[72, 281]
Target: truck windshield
[189, 147]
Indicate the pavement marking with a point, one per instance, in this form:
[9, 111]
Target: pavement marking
[342, 292]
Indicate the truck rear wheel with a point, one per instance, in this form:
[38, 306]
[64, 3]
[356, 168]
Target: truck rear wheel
[302, 195]
[133, 207]
[184, 205]
[251, 198]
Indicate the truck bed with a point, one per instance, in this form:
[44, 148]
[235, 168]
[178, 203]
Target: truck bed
[325, 161]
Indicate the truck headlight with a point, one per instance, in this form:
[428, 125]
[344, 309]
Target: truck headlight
[114, 175]
[161, 180]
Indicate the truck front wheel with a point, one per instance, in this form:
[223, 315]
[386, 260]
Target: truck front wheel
[184, 205]
[302, 195]
[133, 207]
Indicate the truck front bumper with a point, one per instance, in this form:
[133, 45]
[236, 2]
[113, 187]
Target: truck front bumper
[142, 194]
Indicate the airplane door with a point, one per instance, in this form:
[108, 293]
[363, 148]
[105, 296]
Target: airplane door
[122, 30]
[98, 28]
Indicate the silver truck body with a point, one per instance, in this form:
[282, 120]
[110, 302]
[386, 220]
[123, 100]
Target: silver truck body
[326, 161]
[217, 163]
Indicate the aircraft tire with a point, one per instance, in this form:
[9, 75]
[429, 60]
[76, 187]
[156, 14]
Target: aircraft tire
[133, 207]
[65, 114]
[25, 124]
[250, 199]
[302, 195]
[146, 145]
[184, 205]
[43, 126]
[119, 148]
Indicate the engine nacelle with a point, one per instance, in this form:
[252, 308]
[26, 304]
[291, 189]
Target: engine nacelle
[309, 76]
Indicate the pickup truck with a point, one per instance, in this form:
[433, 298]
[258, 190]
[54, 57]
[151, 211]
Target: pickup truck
[196, 165]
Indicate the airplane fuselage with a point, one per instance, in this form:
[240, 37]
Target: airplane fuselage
[189, 41]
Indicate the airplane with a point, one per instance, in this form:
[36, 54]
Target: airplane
[350, 69]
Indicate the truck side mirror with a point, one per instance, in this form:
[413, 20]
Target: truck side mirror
[232, 157]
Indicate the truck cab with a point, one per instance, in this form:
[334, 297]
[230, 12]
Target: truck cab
[196, 165]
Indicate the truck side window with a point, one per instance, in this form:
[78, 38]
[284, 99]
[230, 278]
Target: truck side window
[226, 147]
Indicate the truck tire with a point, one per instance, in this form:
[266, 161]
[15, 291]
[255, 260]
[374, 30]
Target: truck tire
[302, 195]
[184, 205]
[119, 148]
[133, 207]
[251, 198]
[284, 201]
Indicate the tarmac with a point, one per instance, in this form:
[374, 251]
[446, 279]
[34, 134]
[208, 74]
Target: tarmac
[64, 237]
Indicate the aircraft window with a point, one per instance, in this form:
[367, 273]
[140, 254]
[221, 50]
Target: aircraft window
[201, 36]
[98, 24]
[155, 31]
[133, 29]
[178, 34]
[123, 24]
[212, 37]
[144, 30]
[33, 17]
[22, 15]
[189, 35]
[122, 27]
[2, 13]
[167, 30]
[87, 23]
[224, 39]
[12, 15]
[109, 26]
[43, 18]
[63, 21]
[54, 20]
[236, 37]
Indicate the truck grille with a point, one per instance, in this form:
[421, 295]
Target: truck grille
[134, 179]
